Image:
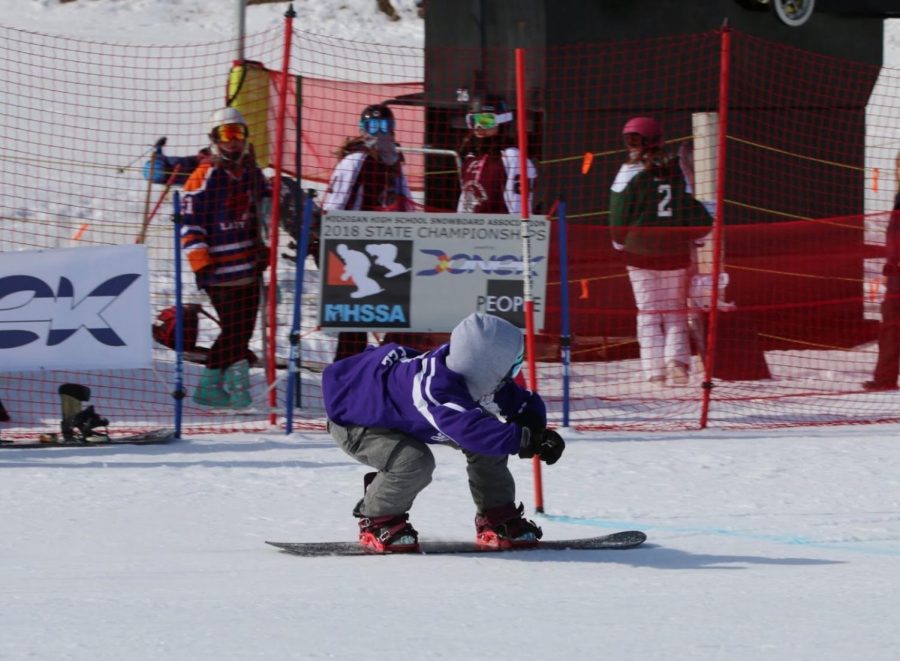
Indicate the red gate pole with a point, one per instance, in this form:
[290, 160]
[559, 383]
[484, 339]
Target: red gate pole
[718, 223]
[272, 299]
[527, 296]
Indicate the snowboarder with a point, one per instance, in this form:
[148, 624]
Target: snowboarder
[490, 170]
[385, 406]
[221, 239]
[368, 177]
[653, 221]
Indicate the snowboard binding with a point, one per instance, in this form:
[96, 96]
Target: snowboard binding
[80, 425]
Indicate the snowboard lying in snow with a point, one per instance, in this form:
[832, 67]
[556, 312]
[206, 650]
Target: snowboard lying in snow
[627, 539]
[151, 437]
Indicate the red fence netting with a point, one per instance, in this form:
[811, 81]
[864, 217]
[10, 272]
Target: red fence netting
[809, 181]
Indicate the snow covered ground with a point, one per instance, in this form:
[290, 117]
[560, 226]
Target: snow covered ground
[763, 545]
[205, 21]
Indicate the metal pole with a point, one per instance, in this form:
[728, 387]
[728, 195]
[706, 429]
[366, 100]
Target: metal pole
[293, 380]
[179, 320]
[718, 224]
[298, 204]
[525, 191]
[565, 338]
[278, 166]
[242, 27]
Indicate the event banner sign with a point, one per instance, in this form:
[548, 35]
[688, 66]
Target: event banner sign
[75, 309]
[425, 272]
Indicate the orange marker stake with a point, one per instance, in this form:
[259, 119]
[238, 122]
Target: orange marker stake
[81, 230]
[587, 162]
[584, 290]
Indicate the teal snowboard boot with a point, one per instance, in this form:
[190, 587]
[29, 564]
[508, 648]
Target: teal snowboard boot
[209, 391]
[237, 383]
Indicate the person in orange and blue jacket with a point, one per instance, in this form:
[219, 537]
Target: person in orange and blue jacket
[221, 239]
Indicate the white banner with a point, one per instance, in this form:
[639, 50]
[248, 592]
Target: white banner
[425, 272]
[75, 309]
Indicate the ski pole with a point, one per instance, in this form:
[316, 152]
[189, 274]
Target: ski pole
[143, 234]
[157, 151]
[159, 144]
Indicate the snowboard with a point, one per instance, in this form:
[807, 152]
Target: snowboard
[151, 437]
[627, 539]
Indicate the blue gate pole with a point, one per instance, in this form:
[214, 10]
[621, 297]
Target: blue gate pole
[293, 381]
[178, 394]
[565, 340]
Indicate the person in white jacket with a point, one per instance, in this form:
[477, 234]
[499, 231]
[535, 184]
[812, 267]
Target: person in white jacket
[368, 177]
[491, 172]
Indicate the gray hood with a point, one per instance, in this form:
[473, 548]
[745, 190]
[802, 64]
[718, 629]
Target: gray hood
[483, 348]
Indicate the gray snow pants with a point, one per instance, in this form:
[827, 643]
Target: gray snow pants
[405, 466]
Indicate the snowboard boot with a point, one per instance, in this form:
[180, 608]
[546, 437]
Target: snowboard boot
[875, 385]
[209, 390]
[505, 527]
[83, 427]
[79, 425]
[391, 533]
[677, 372]
[237, 383]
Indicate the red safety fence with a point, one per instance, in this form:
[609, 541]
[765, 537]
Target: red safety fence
[801, 187]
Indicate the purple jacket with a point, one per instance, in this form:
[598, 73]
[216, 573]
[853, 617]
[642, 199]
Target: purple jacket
[398, 388]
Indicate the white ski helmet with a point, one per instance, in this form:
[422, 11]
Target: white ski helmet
[224, 116]
[221, 117]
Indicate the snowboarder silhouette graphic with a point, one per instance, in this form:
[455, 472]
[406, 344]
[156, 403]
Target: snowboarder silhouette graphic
[385, 254]
[356, 267]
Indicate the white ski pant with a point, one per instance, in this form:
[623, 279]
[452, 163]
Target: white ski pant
[662, 318]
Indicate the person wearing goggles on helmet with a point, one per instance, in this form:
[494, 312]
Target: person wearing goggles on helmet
[490, 161]
[654, 221]
[368, 177]
[220, 237]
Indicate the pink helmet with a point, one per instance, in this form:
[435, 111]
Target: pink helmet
[646, 127]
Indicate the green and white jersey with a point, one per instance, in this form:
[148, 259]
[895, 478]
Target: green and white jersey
[652, 217]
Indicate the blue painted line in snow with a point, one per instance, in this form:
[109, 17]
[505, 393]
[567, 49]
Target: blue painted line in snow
[725, 532]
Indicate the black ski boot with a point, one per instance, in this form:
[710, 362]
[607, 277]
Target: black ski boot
[79, 425]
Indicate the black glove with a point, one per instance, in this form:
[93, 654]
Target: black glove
[546, 444]
[529, 419]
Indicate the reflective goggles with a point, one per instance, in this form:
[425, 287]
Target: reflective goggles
[514, 370]
[517, 366]
[229, 132]
[487, 120]
[374, 125]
